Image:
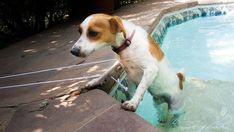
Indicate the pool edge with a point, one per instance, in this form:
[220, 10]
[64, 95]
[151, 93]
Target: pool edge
[170, 10]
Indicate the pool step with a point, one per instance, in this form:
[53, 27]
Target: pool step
[208, 106]
[94, 111]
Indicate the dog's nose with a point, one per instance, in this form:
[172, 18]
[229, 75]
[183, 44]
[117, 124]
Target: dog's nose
[75, 51]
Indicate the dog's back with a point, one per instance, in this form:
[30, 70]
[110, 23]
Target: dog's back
[145, 51]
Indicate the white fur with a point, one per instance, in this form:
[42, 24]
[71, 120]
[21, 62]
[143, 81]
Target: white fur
[83, 42]
[145, 70]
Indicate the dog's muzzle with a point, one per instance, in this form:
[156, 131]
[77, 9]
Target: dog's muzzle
[76, 52]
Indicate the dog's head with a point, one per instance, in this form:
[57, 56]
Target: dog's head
[97, 31]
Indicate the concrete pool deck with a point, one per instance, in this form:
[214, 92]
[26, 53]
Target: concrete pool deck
[31, 107]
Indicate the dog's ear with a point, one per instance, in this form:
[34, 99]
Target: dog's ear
[117, 25]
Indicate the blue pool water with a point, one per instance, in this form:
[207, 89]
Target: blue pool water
[204, 48]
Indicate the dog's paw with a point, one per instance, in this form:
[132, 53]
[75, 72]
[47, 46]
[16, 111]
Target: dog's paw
[129, 105]
[94, 83]
[163, 113]
[174, 122]
[162, 119]
[91, 83]
[175, 118]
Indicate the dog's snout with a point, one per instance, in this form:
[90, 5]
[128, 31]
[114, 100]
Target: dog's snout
[75, 51]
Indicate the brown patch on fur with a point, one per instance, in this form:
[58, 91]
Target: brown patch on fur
[107, 26]
[154, 49]
[100, 23]
[117, 25]
[181, 79]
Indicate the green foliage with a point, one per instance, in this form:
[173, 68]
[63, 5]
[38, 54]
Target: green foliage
[24, 17]
[125, 2]
[21, 18]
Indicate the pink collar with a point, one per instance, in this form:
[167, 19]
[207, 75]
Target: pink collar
[124, 45]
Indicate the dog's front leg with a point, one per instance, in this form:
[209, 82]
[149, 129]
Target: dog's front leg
[148, 77]
[100, 80]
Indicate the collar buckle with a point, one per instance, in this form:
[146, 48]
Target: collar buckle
[127, 42]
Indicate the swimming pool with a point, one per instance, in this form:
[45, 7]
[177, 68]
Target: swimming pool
[204, 48]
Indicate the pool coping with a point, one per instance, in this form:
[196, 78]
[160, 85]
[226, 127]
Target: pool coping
[170, 10]
[178, 17]
[176, 8]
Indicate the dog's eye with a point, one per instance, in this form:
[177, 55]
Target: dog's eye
[80, 30]
[92, 33]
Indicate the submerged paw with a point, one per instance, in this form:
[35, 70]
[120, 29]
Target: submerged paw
[162, 119]
[128, 105]
[174, 121]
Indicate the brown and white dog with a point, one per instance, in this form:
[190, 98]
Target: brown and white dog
[142, 59]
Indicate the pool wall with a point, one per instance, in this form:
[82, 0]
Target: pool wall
[178, 17]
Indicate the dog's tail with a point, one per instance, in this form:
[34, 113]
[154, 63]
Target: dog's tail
[181, 77]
